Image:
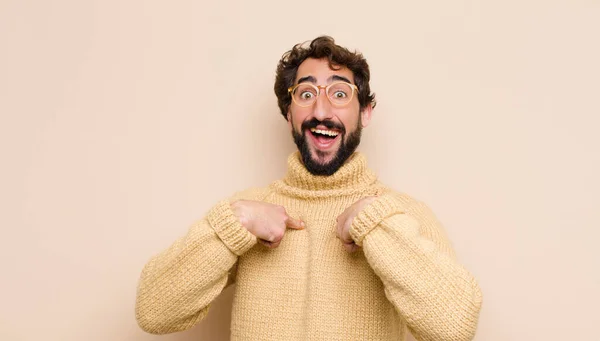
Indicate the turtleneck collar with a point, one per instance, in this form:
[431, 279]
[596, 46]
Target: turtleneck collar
[354, 176]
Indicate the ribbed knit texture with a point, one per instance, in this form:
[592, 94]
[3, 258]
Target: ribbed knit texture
[405, 275]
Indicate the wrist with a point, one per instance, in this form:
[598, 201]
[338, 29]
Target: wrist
[239, 209]
[228, 227]
[372, 215]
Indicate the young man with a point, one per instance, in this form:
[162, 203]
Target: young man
[364, 263]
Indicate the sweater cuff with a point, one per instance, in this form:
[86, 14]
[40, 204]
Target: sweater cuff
[229, 229]
[367, 219]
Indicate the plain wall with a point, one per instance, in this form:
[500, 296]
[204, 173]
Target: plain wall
[122, 122]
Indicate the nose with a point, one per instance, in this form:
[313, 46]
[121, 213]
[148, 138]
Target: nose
[322, 107]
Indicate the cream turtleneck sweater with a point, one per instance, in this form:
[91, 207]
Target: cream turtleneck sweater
[405, 275]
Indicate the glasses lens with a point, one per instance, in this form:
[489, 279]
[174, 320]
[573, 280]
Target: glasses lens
[340, 93]
[305, 94]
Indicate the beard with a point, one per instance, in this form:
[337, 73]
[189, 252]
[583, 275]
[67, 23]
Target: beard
[348, 146]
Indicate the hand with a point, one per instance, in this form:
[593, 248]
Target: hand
[344, 222]
[266, 221]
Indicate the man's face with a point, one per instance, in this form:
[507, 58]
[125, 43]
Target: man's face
[325, 134]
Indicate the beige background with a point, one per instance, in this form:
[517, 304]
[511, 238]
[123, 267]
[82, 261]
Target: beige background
[124, 121]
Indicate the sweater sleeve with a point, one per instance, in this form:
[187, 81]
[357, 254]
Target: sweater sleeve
[406, 246]
[177, 285]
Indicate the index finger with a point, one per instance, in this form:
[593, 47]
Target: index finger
[294, 223]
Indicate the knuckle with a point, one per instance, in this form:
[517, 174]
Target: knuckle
[277, 235]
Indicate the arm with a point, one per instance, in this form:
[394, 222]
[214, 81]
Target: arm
[406, 247]
[177, 285]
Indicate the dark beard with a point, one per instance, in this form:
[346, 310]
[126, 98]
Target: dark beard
[347, 147]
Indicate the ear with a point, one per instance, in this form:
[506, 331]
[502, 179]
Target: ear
[289, 119]
[366, 115]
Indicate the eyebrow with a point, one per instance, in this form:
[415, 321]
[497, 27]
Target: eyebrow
[340, 78]
[307, 79]
[313, 80]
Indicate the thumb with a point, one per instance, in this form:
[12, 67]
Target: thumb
[294, 223]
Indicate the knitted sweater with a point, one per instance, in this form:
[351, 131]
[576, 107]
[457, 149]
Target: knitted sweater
[404, 277]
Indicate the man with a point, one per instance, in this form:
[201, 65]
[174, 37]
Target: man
[364, 263]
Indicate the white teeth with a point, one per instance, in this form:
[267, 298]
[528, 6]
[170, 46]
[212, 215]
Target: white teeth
[325, 132]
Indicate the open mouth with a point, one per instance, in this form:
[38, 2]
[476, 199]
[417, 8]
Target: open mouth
[324, 138]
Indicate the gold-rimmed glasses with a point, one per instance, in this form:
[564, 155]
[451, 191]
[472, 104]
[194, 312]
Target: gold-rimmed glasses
[338, 93]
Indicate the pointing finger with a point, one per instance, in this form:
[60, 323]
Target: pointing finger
[294, 223]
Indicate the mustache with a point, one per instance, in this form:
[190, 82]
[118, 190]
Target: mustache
[329, 124]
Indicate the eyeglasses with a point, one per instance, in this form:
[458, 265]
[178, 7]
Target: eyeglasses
[338, 93]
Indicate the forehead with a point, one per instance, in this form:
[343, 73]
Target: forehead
[319, 68]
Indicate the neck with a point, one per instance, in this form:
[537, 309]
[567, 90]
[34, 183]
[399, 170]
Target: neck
[353, 176]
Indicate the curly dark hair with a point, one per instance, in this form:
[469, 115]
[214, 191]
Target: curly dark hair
[338, 56]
